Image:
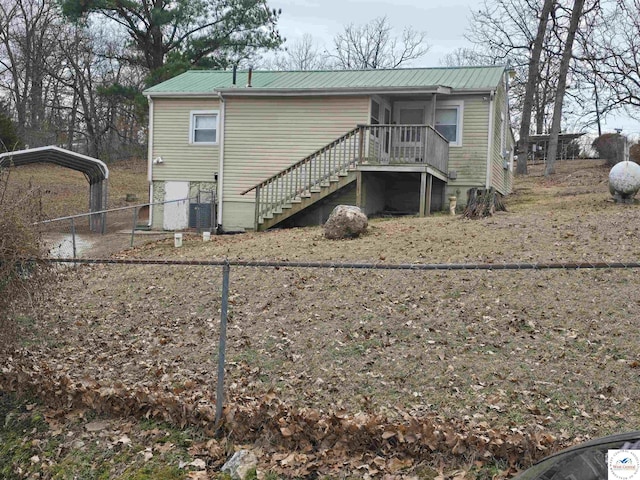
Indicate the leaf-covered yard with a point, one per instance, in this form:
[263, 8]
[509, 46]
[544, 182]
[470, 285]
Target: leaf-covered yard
[354, 373]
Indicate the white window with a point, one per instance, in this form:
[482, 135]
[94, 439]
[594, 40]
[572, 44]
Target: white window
[204, 127]
[449, 122]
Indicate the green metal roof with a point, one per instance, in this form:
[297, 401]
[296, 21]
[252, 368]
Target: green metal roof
[201, 82]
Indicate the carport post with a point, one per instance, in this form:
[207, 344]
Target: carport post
[223, 341]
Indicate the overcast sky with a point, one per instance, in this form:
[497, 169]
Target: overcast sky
[444, 22]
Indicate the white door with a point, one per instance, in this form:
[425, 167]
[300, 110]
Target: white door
[408, 140]
[176, 214]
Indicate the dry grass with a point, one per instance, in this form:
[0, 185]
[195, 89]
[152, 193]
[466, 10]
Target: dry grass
[21, 278]
[551, 350]
[66, 192]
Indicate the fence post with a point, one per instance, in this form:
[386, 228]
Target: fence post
[73, 237]
[133, 225]
[223, 342]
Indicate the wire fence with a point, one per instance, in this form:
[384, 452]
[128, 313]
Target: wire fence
[350, 333]
[501, 361]
[71, 236]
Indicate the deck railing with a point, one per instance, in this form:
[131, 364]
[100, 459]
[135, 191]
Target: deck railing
[401, 144]
[365, 144]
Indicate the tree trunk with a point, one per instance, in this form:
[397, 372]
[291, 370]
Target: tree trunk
[576, 14]
[532, 76]
[597, 105]
[71, 128]
[482, 203]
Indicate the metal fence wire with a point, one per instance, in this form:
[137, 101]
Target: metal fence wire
[70, 236]
[355, 334]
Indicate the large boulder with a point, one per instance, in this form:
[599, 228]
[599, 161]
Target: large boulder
[624, 181]
[345, 221]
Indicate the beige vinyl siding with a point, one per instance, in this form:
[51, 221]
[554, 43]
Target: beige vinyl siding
[265, 135]
[500, 177]
[470, 159]
[181, 160]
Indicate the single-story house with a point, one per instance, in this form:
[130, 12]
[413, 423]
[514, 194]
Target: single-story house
[252, 150]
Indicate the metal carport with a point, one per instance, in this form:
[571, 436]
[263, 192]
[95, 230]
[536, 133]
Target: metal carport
[95, 171]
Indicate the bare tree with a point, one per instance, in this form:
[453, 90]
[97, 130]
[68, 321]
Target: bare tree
[531, 36]
[66, 84]
[303, 54]
[28, 51]
[359, 47]
[530, 88]
[463, 56]
[614, 55]
[374, 45]
[505, 32]
[576, 15]
[102, 109]
[592, 98]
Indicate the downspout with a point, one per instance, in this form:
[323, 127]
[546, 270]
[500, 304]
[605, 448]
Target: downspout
[150, 159]
[490, 139]
[221, 163]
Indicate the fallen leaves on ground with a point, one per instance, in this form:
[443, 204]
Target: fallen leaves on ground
[365, 373]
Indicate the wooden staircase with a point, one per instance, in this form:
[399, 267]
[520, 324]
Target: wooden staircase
[307, 199]
[335, 165]
[295, 188]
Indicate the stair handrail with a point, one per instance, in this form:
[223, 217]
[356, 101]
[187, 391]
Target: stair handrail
[335, 159]
[306, 159]
[327, 147]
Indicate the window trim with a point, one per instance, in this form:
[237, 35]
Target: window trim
[192, 124]
[458, 105]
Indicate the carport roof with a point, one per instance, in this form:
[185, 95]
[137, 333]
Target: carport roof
[94, 169]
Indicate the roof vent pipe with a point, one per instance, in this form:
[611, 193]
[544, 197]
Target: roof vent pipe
[249, 77]
[235, 73]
